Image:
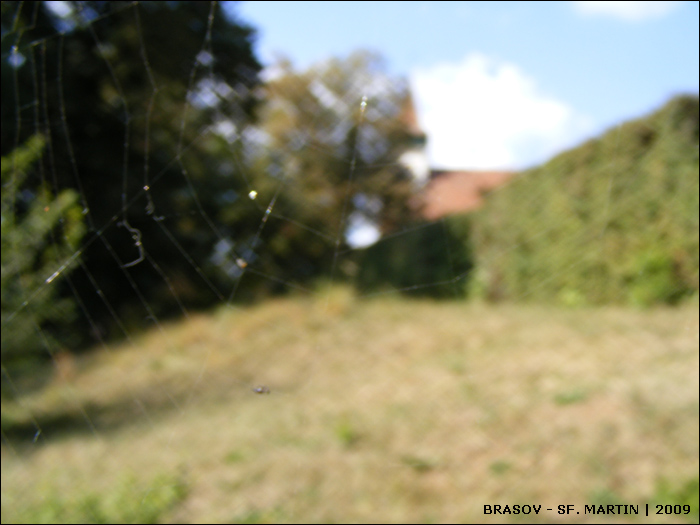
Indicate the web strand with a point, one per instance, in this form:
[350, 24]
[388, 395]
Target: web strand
[224, 335]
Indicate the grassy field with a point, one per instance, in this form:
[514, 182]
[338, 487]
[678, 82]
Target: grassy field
[379, 410]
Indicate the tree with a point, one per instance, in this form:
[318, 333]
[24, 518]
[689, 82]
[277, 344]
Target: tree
[333, 136]
[39, 234]
[132, 95]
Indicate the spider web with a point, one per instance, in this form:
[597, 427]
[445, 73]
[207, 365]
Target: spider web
[272, 362]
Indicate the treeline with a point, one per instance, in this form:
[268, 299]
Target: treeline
[149, 171]
[147, 165]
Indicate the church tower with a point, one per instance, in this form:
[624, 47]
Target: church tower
[415, 158]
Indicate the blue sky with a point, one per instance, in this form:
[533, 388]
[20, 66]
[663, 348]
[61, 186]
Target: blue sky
[501, 84]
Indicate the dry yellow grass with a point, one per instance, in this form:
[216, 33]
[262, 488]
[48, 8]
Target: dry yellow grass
[380, 410]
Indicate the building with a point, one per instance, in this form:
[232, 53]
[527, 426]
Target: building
[449, 192]
[415, 157]
[443, 192]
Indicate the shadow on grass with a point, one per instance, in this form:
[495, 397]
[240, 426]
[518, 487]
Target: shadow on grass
[21, 427]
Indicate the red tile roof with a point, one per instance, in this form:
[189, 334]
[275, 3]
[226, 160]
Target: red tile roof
[450, 192]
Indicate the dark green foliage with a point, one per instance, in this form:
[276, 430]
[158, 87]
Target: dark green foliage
[612, 221]
[431, 260]
[147, 111]
[40, 232]
[118, 89]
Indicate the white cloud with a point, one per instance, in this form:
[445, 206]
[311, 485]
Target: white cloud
[627, 11]
[484, 114]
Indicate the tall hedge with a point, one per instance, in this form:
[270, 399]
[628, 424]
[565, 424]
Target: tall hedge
[612, 221]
